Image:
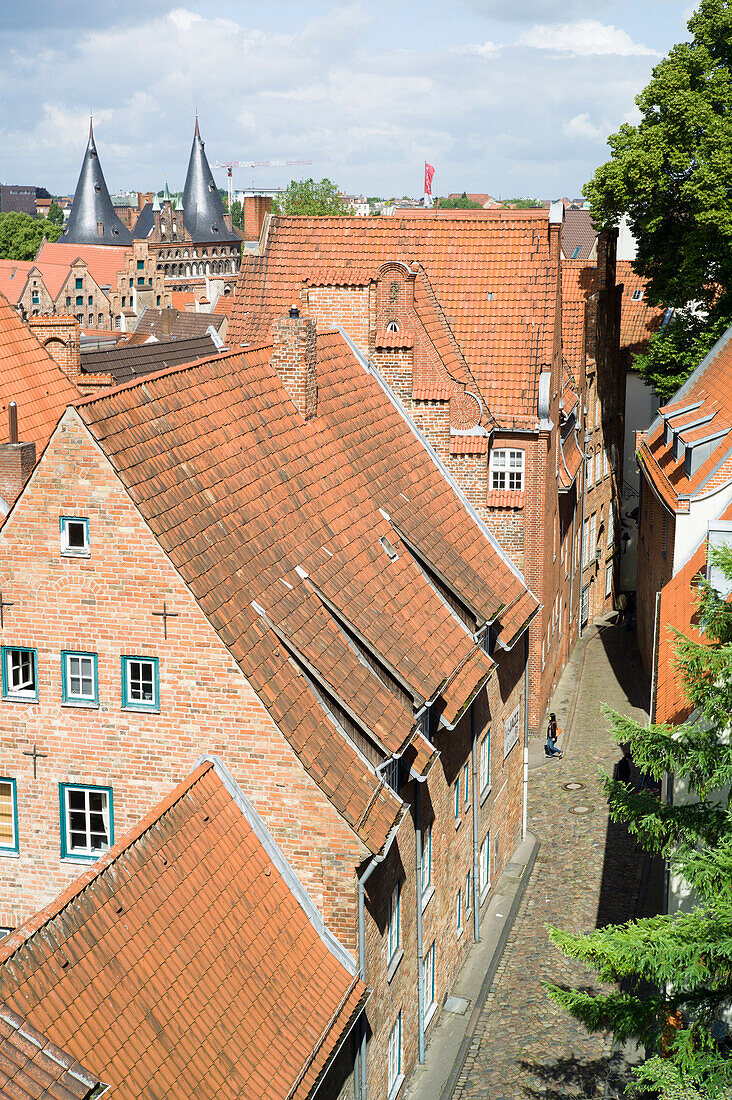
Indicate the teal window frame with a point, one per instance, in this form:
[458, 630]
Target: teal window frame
[77, 700]
[80, 299]
[79, 284]
[87, 857]
[137, 704]
[393, 928]
[7, 694]
[458, 806]
[466, 783]
[426, 858]
[74, 551]
[14, 848]
[140, 265]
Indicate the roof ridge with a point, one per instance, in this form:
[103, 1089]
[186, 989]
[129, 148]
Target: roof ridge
[179, 368]
[28, 928]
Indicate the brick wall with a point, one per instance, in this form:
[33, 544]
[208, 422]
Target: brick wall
[254, 210]
[344, 306]
[294, 356]
[60, 336]
[656, 531]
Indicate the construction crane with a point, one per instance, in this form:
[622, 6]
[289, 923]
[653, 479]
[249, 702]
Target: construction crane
[230, 165]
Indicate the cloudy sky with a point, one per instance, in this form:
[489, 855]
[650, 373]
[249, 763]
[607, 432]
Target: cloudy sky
[511, 97]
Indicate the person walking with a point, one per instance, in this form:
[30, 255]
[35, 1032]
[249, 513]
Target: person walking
[552, 734]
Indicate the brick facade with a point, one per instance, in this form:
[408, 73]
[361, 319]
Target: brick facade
[140, 284]
[656, 536]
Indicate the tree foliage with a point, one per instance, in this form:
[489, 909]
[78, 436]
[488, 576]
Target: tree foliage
[21, 235]
[671, 174]
[676, 967]
[56, 214]
[461, 203]
[308, 198]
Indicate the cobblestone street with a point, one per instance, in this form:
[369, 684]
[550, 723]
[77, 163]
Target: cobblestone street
[588, 872]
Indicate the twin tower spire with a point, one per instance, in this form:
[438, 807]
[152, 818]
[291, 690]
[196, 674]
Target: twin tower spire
[93, 220]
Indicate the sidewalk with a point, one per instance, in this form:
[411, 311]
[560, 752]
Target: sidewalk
[509, 1042]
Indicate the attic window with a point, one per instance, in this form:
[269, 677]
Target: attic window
[637, 295]
[489, 296]
[393, 326]
[100, 229]
[214, 228]
[97, 188]
[576, 252]
[212, 186]
[388, 548]
[74, 536]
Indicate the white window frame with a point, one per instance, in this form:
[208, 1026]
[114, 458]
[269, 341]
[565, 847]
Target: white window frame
[485, 866]
[13, 847]
[459, 912]
[426, 864]
[507, 469]
[610, 528]
[589, 471]
[458, 806]
[608, 581]
[485, 764]
[429, 991]
[88, 851]
[585, 541]
[466, 783]
[468, 893]
[593, 537]
[395, 1077]
[393, 940]
[26, 691]
[68, 551]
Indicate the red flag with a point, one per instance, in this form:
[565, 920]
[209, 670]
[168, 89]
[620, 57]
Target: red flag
[428, 174]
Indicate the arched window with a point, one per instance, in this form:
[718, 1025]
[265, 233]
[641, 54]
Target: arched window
[393, 326]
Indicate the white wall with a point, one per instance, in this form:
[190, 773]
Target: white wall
[641, 406]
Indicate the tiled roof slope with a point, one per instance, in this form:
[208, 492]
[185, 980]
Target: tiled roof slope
[188, 962]
[277, 525]
[132, 360]
[13, 278]
[578, 234]
[31, 378]
[491, 274]
[700, 415]
[579, 283]
[185, 324]
[103, 261]
[638, 320]
[31, 1066]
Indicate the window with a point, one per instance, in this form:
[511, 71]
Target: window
[585, 605]
[79, 683]
[132, 282]
[610, 529]
[636, 295]
[590, 467]
[393, 326]
[90, 300]
[68, 301]
[457, 801]
[395, 1077]
[157, 300]
[79, 299]
[485, 866]
[393, 931]
[608, 581]
[426, 859]
[593, 536]
[99, 320]
[86, 821]
[466, 783]
[429, 985]
[391, 774]
[91, 319]
[20, 674]
[8, 817]
[468, 893]
[459, 912]
[485, 763]
[140, 683]
[141, 280]
[35, 298]
[507, 469]
[605, 463]
[74, 536]
[79, 284]
[140, 265]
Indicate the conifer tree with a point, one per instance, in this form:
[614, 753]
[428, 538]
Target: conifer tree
[673, 973]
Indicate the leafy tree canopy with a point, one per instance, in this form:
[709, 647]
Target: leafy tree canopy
[56, 214]
[671, 174]
[673, 973]
[306, 197]
[461, 203]
[21, 235]
[524, 204]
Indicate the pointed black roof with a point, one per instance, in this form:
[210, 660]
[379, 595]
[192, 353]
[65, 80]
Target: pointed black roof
[92, 219]
[203, 210]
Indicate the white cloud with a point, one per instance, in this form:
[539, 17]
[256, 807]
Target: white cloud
[183, 19]
[481, 49]
[585, 37]
[581, 127]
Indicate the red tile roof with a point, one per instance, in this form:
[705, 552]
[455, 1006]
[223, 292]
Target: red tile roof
[188, 961]
[579, 283]
[31, 378]
[103, 261]
[31, 1066]
[638, 320]
[578, 234]
[491, 277]
[295, 571]
[700, 410]
[13, 278]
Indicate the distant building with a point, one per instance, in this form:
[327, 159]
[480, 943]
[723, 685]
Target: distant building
[93, 219]
[17, 200]
[484, 200]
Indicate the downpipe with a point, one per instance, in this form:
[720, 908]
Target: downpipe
[525, 803]
[476, 846]
[420, 957]
[360, 1074]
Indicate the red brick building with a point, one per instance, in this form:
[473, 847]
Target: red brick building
[494, 345]
[258, 556]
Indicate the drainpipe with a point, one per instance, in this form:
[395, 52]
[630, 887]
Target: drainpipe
[524, 808]
[571, 572]
[476, 847]
[361, 1056]
[582, 532]
[420, 958]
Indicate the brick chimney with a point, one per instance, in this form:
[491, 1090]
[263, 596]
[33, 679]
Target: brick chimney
[16, 460]
[168, 317]
[60, 337]
[254, 209]
[294, 357]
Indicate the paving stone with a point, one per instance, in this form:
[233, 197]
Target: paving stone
[587, 873]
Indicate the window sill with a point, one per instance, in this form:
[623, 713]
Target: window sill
[460, 932]
[84, 860]
[484, 794]
[141, 710]
[427, 897]
[76, 553]
[394, 963]
[396, 1087]
[20, 698]
[7, 853]
[484, 893]
[79, 703]
[458, 822]
[429, 1014]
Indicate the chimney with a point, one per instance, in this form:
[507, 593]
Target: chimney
[254, 210]
[294, 357]
[60, 337]
[16, 460]
[168, 317]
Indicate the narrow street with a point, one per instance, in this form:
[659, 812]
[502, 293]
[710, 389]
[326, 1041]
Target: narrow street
[588, 872]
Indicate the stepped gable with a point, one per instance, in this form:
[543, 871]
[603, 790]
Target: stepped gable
[318, 550]
[203, 210]
[188, 961]
[492, 277]
[31, 378]
[92, 219]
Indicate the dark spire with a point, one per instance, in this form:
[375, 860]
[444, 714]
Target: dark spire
[92, 219]
[203, 210]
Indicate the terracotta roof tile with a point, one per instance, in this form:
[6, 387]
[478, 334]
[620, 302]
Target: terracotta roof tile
[638, 320]
[218, 978]
[129, 360]
[31, 1066]
[103, 261]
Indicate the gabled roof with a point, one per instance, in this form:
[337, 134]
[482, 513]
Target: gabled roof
[129, 360]
[92, 219]
[188, 962]
[289, 534]
[203, 210]
[687, 451]
[185, 324]
[104, 263]
[638, 320]
[13, 278]
[492, 276]
[31, 378]
[31, 1066]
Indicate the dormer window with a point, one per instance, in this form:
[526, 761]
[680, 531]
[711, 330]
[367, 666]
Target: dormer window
[100, 229]
[75, 537]
[637, 295]
[97, 188]
[393, 326]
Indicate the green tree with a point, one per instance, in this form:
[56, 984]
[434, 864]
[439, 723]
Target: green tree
[671, 174]
[462, 203]
[56, 214]
[306, 197]
[237, 213]
[524, 204]
[677, 966]
[21, 235]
